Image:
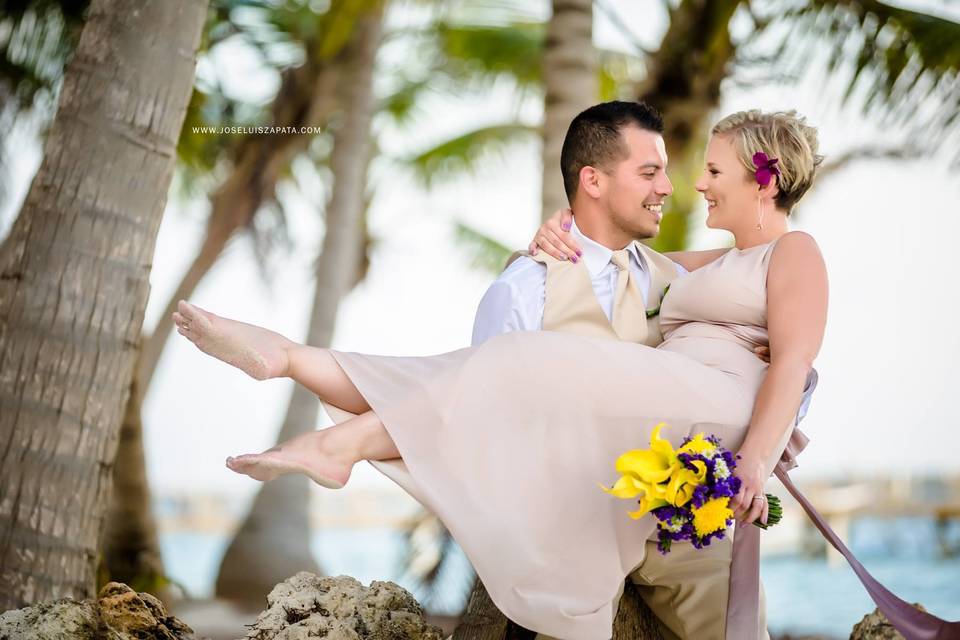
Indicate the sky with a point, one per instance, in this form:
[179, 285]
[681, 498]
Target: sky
[888, 231]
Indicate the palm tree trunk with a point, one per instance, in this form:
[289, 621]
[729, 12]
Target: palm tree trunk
[131, 545]
[74, 281]
[570, 76]
[683, 81]
[274, 541]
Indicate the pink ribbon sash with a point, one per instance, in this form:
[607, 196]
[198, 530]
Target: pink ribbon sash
[743, 605]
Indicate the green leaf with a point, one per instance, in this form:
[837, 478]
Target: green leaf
[463, 153]
[485, 252]
[489, 51]
[900, 58]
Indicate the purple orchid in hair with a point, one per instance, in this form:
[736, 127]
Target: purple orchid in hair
[766, 167]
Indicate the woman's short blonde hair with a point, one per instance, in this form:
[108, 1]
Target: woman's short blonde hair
[784, 135]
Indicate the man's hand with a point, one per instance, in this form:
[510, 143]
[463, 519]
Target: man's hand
[763, 353]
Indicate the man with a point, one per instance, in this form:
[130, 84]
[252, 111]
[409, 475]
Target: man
[614, 170]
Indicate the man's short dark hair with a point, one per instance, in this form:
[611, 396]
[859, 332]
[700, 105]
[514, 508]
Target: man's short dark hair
[594, 140]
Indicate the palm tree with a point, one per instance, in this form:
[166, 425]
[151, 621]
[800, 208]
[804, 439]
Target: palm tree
[35, 40]
[74, 280]
[570, 82]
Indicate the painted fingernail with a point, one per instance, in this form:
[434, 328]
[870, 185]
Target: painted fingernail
[566, 227]
[579, 253]
[573, 259]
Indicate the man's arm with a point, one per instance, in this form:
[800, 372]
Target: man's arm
[514, 302]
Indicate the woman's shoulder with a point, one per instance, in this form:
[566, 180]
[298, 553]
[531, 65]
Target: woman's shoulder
[795, 251]
[795, 245]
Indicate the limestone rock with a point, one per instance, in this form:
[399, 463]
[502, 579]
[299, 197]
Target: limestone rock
[309, 606]
[876, 626]
[120, 613]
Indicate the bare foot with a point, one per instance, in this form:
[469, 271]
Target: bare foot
[278, 461]
[258, 352]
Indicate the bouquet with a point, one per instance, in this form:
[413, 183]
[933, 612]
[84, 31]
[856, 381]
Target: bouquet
[687, 490]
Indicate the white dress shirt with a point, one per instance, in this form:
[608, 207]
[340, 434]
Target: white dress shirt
[515, 301]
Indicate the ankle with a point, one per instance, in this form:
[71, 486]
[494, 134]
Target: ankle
[333, 446]
[289, 367]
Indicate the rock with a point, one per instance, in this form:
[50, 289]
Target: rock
[120, 613]
[875, 626]
[309, 606]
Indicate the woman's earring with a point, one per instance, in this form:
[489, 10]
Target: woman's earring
[760, 218]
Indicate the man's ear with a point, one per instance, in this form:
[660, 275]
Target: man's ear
[590, 178]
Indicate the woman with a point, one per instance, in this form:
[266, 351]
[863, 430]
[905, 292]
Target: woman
[506, 442]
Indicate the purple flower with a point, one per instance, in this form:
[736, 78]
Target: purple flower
[766, 168]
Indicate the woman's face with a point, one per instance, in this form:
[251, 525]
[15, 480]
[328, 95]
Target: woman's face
[731, 192]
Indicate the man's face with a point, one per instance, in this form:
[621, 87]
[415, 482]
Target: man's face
[635, 188]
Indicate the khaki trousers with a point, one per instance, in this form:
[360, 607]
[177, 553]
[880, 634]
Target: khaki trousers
[687, 590]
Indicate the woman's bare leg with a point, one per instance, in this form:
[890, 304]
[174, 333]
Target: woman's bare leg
[326, 456]
[265, 354]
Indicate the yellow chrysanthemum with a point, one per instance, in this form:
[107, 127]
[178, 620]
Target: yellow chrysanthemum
[712, 516]
[697, 445]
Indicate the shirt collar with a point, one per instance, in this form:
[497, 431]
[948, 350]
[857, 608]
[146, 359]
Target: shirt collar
[595, 255]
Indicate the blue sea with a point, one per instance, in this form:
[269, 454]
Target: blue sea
[804, 595]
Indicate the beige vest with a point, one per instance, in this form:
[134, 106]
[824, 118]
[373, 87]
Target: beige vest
[572, 306]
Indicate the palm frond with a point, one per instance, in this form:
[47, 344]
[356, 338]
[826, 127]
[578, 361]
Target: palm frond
[620, 75]
[485, 252]
[463, 153]
[904, 65]
[484, 52]
[401, 103]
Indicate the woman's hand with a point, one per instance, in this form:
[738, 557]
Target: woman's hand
[750, 470]
[554, 238]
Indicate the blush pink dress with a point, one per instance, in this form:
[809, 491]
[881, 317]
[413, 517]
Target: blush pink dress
[506, 442]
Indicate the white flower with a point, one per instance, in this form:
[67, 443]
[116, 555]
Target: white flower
[674, 524]
[720, 469]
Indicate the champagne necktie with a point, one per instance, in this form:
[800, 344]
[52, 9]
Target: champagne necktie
[629, 319]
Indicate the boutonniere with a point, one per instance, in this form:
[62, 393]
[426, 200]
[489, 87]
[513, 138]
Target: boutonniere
[653, 312]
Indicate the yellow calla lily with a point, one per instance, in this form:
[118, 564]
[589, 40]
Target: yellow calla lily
[655, 464]
[683, 482]
[662, 445]
[646, 465]
[625, 487]
[647, 505]
[697, 445]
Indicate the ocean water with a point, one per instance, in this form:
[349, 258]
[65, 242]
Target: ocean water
[804, 595]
